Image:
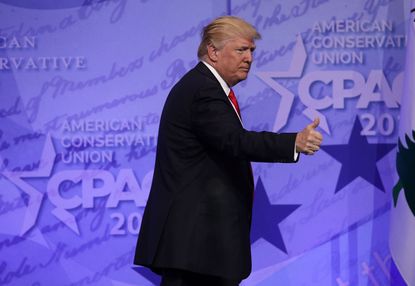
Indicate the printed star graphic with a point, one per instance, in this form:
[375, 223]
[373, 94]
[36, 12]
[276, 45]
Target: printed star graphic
[266, 217]
[148, 274]
[35, 197]
[358, 158]
[287, 97]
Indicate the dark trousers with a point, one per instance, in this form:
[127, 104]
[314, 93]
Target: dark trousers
[173, 277]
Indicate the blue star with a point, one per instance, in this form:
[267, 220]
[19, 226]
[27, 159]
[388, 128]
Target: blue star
[148, 274]
[266, 217]
[358, 158]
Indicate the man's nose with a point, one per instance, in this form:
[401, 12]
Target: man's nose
[249, 56]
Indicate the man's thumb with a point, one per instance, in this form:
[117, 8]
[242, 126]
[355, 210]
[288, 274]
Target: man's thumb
[315, 123]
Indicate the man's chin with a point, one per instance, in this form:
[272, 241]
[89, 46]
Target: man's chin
[239, 78]
[244, 76]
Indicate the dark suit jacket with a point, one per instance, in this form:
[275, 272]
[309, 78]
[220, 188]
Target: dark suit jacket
[198, 214]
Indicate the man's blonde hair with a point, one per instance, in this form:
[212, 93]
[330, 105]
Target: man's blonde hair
[223, 29]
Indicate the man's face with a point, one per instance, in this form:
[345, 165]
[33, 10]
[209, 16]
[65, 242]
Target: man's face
[234, 60]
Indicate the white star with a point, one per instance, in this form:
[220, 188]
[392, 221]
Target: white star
[35, 197]
[287, 97]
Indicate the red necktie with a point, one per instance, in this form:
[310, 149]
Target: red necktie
[235, 104]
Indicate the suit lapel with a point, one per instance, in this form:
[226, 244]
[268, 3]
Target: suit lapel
[201, 67]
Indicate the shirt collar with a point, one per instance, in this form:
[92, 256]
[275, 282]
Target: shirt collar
[221, 81]
[224, 86]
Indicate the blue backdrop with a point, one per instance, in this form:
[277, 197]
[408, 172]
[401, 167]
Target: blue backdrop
[82, 85]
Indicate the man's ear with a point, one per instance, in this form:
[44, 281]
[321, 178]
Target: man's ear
[212, 53]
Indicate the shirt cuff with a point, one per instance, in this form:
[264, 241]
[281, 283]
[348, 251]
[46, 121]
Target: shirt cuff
[295, 154]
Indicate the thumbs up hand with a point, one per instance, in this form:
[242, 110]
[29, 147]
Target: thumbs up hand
[308, 140]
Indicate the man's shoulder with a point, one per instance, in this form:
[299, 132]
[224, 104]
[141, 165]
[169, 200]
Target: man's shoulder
[201, 71]
[198, 77]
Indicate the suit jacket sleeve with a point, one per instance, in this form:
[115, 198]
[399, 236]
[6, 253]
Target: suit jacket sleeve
[218, 127]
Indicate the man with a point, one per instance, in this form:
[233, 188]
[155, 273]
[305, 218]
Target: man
[195, 229]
